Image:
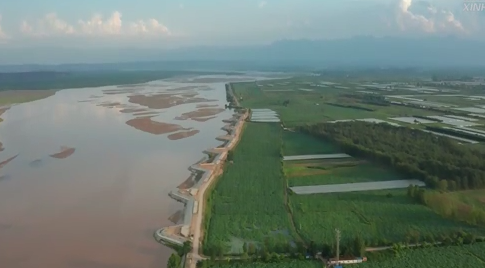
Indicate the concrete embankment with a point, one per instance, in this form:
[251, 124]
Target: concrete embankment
[204, 171]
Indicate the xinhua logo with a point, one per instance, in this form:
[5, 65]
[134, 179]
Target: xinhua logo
[474, 5]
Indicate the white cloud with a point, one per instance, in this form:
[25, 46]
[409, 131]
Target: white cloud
[436, 21]
[152, 26]
[3, 35]
[96, 26]
[262, 4]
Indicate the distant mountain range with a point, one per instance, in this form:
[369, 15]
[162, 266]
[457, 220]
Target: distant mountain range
[357, 51]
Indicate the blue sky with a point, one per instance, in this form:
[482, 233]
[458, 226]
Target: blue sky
[162, 23]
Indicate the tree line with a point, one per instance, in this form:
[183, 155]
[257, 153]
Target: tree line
[435, 160]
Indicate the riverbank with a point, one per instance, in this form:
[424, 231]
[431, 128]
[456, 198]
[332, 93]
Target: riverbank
[206, 171]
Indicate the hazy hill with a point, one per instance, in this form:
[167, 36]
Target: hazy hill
[358, 51]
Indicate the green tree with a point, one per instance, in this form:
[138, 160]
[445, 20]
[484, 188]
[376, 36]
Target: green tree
[186, 247]
[358, 246]
[174, 261]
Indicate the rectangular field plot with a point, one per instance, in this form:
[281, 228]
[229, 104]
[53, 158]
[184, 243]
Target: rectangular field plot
[296, 143]
[248, 203]
[340, 171]
[377, 216]
[470, 256]
[314, 157]
[355, 187]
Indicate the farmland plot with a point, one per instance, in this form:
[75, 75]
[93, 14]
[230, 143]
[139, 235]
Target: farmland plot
[248, 202]
[336, 172]
[375, 215]
[295, 143]
[470, 256]
[289, 264]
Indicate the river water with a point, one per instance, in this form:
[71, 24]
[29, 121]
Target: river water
[99, 207]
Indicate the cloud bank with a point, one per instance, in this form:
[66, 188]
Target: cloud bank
[97, 25]
[429, 19]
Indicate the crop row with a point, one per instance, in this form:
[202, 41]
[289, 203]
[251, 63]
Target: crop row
[248, 202]
[470, 256]
[379, 217]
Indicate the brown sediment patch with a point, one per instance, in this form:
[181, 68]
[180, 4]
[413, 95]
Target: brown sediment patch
[162, 101]
[147, 113]
[189, 95]
[182, 134]
[21, 96]
[110, 104]
[203, 119]
[182, 88]
[176, 217]
[206, 106]
[203, 112]
[133, 110]
[64, 153]
[146, 124]
[2, 164]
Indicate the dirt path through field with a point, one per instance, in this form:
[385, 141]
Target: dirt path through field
[197, 223]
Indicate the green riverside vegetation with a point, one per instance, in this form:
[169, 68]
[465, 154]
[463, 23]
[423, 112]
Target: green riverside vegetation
[247, 206]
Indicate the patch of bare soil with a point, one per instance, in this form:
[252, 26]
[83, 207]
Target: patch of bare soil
[64, 153]
[146, 124]
[203, 112]
[133, 110]
[206, 106]
[203, 119]
[3, 163]
[163, 101]
[176, 217]
[183, 134]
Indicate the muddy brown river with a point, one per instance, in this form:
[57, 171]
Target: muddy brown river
[86, 189]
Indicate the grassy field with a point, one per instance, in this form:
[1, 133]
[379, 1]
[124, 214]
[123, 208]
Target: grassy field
[295, 143]
[248, 202]
[336, 172]
[378, 216]
[470, 256]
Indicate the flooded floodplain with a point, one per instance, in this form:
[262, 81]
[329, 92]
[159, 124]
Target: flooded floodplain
[85, 173]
